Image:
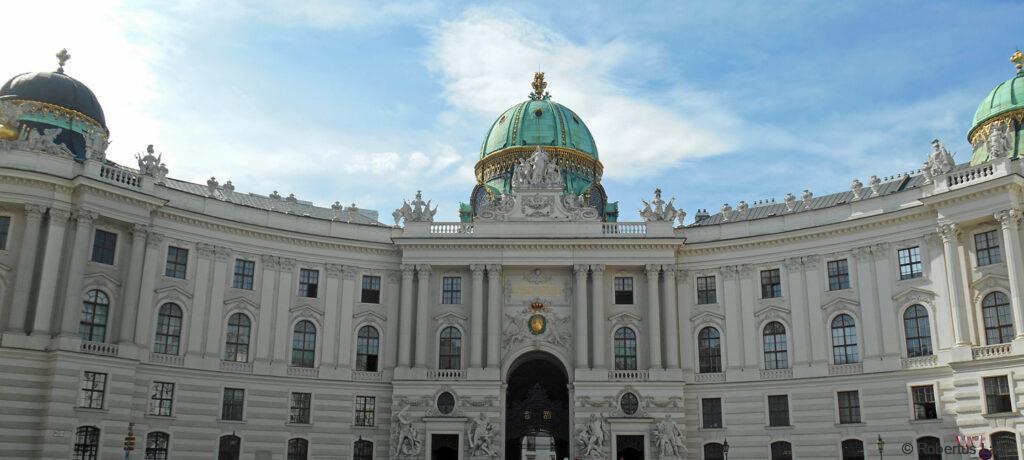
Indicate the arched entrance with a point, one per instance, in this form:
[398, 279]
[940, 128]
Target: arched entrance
[537, 408]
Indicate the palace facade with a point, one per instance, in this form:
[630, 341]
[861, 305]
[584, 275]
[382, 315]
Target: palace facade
[542, 323]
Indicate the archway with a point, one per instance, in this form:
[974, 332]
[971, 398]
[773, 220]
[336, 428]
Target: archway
[536, 405]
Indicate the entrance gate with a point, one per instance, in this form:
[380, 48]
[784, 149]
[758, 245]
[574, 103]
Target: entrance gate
[536, 404]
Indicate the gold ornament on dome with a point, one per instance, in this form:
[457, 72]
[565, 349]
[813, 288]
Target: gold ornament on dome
[537, 324]
[1018, 58]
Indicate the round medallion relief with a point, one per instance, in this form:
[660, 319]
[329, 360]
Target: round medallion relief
[629, 404]
[446, 403]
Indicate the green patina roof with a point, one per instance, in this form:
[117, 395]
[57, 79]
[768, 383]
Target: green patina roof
[539, 122]
[1008, 96]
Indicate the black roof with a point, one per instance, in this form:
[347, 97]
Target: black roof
[54, 88]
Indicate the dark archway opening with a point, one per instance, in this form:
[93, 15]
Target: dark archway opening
[630, 447]
[536, 404]
[444, 447]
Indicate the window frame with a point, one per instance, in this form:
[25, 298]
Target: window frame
[915, 268]
[923, 341]
[307, 410]
[704, 422]
[375, 286]
[158, 397]
[94, 449]
[449, 355]
[1010, 395]
[227, 337]
[229, 437]
[239, 280]
[845, 346]
[771, 288]
[451, 293]
[299, 443]
[172, 267]
[840, 279]
[361, 413]
[993, 249]
[713, 367]
[775, 353]
[842, 441]
[624, 286]
[1005, 330]
[309, 283]
[838, 395]
[630, 362]
[108, 256]
[769, 412]
[307, 356]
[359, 448]
[164, 337]
[771, 449]
[715, 445]
[5, 230]
[999, 434]
[707, 295]
[155, 452]
[375, 354]
[93, 324]
[240, 404]
[92, 391]
[912, 397]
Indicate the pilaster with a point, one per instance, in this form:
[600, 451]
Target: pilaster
[580, 314]
[348, 298]
[72, 313]
[671, 326]
[950, 233]
[27, 255]
[150, 271]
[422, 314]
[132, 286]
[493, 316]
[1009, 222]
[476, 328]
[598, 326]
[654, 316]
[49, 272]
[405, 318]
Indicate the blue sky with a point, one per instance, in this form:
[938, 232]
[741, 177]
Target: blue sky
[367, 102]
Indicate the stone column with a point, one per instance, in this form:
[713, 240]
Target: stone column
[391, 334]
[286, 291]
[581, 316]
[654, 316]
[476, 327]
[265, 327]
[154, 260]
[493, 316]
[671, 319]
[950, 233]
[731, 299]
[870, 329]
[50, 271]
[200, 300]
[132, 284]
[1009, 220]
[215, 323]
[891, 323]
[27, 252]
[797, 333]
[76, 271]
[743, 326]
[405, 318]
[817, 330]
[686, 297]
[599, 319]
[422, 314]
[348, 299]
[332, 312]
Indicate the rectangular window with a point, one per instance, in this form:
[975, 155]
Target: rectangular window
[103, 246]
[778, 410]
[711, 412]
[623, 290]
[161, 401]
[364, 410]
[244, 272]
[94, 388]
[234, 401]
[371, 289]
[910, 263]
[707, 293]
[849, 406]
[177, 262]
[997, 394]
[5, 229]
[987, 247]
[309, 281]
[838, 275]
[451, 290]
[299, 408]
[924, 402]
[771, 284]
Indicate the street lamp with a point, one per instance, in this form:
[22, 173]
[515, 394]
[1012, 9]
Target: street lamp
[881, 446]
[725, 448]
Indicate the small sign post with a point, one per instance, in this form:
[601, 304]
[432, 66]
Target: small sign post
[129, 441]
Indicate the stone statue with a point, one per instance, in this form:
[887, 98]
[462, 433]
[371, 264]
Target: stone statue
[669, 438]
[875, 183]
[406, 439]
[540, 170]
[10, 115]
[659, 210]
[417, 211]
[940, 161]
[856, 187]
[481, 436]
[790, 201]
[96, 144]
[212, 185]
[592, 437]
[1000, 140]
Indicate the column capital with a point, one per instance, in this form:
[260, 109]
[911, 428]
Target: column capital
[59, 216]
[598, 269]
[205, 250]
[730, 272]
[493, 269]
[477, 270]
[269, 262]
[140, 230]
[334, 270]
[1008, 218]
[581, 269]
[794, 263]
[670, 271]
[862, 254]
[812, 262]
[746, 270]
[881, 249]
[408, 270]
[84, 216]
[286, 263]
[950, 232]
[394, 276]
[652, 270]
[348, 272]
[34, 211]
[423, 269]
[154, 240]
[682, 274]
[221, 253]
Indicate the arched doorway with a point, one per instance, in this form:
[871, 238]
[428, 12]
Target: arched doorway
[537, 408]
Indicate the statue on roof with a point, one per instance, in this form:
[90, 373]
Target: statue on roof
[417, 211]
[151, 165]
[1000, 140]
[659, 210]
[940, 162]
[538, 171]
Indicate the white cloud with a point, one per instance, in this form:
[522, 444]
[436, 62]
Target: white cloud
[486, 59]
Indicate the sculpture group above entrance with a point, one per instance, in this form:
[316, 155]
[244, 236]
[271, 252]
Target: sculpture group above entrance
[538, 194]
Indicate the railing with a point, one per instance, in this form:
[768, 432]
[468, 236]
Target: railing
[624, 228]
[446, 374]
[845, 369]
[991, 351]
[451, 228]
[167, 360]
[295, 371]
[364, 376]
[776, 374]
[97, 348]
[121, 176]
[969, 175]
[629, 375]
[236, 367]
[710, 377]
[920, 362]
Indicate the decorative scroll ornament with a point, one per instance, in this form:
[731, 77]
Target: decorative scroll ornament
[1000, 139]
[417, 211]
[539, 87]
[940, 162]
[406, 438]
[536, 324]
[151, 165]
[669, 438]
[592, 438]
[480, 436]
[659, 210]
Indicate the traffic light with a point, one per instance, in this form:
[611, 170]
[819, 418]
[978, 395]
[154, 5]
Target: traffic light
[129, 443]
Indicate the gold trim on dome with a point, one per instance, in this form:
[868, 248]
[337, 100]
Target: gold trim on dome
[46, 106]
[568, 158]
[981, 132]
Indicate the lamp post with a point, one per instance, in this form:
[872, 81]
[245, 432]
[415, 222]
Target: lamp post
[881, 446]
[725, 448]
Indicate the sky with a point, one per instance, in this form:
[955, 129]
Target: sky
[367, 102]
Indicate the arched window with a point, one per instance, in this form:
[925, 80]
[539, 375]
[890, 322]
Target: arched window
[168, 329]
[236, 347]
[298, 449]
[157, 445]
[995, 307]
[450, 349]
[625, 349]
[367, 346]
[782, 450]
[304, 344]
[714, 451]
[87, 442]
[844, 340]
[710, 350]
[230, 447]
[93, 325]
[362, 450]
[919, 335]
[1004, 446]
[775, 349]
[929, 448]
[853, 449]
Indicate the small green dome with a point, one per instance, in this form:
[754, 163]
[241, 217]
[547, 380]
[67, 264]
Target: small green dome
[1006, 97]
[540, 122]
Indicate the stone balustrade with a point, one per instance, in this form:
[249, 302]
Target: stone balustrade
[164, 359]
[236, 367]
[633, 375]
[991, 351]
[309, 372]
[98, 348]
[920, 362]
[776, 374]
[845, 369]
[446, 374]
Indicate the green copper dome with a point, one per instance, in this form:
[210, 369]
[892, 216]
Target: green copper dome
[1006, 97]
[1003, 108]
[540, 122]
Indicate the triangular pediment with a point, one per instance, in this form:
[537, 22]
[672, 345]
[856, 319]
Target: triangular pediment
[711, 316]
[989, 281]
[624, 317]
[369, 315]
[913, 295]
[450, 316]
[306, 310]
[173, 293]
[840, 303]
[771, 310]
[100, 277]
[242, 301]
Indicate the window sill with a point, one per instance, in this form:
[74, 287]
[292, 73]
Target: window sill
[159, 417]
[1000, 415]
[924, 421]
[233, 422]
[298, 425]
[841, 425]
[779, 427]
[364, 427]
[91, 409]
[713, 304]
[711, 430]
[839, 291]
